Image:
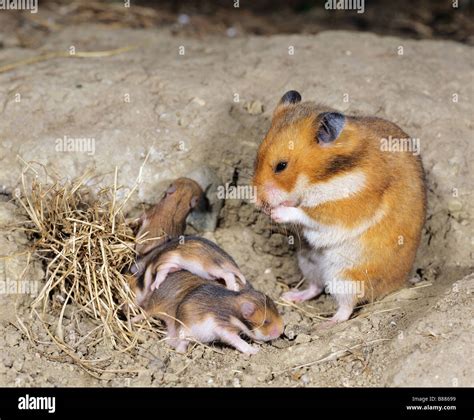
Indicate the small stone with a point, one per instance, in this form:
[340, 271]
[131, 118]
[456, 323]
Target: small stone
[183, 19]
[302, 339]
[290, 334]
[454, 206]
[198, 101]
[280, 344]
[254, 107]
[231, 32]
[305, 379]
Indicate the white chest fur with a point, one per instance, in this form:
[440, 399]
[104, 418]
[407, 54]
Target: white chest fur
[323, 236]
[333, 249]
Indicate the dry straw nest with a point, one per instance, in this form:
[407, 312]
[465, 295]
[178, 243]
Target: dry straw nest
[83, 238]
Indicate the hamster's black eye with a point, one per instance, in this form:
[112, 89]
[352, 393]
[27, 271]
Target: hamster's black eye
[266, 322]
[281, 166]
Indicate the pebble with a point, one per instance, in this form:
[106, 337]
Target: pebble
[305, 379]
[254, 107]
[231, 32]
[280, 344]
[184, 19]
[198, 101]
[290, 334]
[454, 205]
[302, 339]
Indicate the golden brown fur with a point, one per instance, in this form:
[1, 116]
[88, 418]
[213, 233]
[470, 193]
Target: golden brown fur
[394, 185]
[167, 219]
[186, 299]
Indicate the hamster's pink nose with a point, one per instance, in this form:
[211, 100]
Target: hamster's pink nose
[276, 331]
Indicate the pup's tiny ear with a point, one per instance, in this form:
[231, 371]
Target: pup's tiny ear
[247, 309]
[171, 189]
[194, 201]
[289, 98]
[134, 268]
[330, 127]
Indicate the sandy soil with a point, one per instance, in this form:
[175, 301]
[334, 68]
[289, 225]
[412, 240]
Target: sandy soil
[183, 108]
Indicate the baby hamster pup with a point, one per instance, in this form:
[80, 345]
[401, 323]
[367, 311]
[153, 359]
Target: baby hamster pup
[167, 219]
[194, 254]
[361, 208]
[195, 308]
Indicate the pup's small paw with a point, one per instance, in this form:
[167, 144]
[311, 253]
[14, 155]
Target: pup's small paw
[252, 350]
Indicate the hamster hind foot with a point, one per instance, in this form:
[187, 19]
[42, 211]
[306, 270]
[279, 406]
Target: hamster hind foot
[302, 295]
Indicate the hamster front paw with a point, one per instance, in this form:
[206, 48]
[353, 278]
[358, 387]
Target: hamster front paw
[283, 214]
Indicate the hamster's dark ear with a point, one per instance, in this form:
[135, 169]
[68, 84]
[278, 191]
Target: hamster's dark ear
[247, 309]
[330, 127]
[289, 98]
